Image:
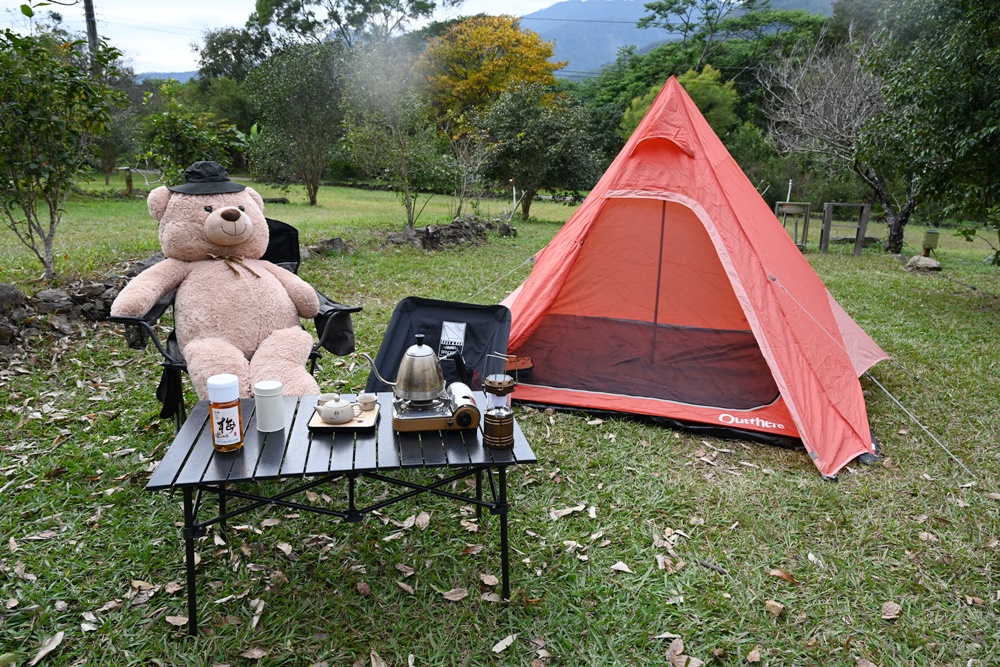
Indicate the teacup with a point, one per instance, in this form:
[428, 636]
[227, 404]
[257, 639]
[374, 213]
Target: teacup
[338, 411]
[367, 401]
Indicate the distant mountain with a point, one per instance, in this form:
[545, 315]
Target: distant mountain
[588, 33]
[180, 77]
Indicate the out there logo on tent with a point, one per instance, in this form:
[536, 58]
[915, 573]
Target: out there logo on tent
[748, 421]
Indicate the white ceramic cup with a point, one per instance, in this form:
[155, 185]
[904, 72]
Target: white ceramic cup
[367, 401]
[338, 411]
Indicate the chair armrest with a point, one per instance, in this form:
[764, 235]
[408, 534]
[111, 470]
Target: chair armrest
[139, 330]
[334, 326]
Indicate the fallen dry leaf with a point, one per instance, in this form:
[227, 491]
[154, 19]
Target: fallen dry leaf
[686, 661]
[253, 653]
[405, 569]
[891, 611]
[489, 579]
[456, 594]
[993, 496]
[50, 645]
[88, 627]
[595, 422]
[504, 643]
[377, 660]
[177, 620]
[927, 537]
[268, 523]
[621, 567]
[781, 574]
[471, 550]
[676, 648]
[754, 655]
[141, 585]
[775, 607]
[667, 635]
[861, 662]
[285, 548]
[491, 597]
[405, 586]
[422, 520]
[364, 589]
[566, 511]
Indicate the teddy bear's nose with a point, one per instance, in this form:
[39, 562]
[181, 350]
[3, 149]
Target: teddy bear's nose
[231, 214]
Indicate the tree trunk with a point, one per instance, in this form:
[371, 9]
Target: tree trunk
[896, 216]
[526, 198]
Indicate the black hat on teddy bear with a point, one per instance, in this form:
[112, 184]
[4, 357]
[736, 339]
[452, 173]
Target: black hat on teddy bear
[206, 178]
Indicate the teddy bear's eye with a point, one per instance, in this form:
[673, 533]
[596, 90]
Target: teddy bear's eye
[208, 209]
[241, 208]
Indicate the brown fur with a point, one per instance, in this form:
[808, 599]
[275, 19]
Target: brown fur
[238, 315]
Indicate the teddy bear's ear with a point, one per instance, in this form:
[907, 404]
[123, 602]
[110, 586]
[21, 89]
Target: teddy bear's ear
[256, 197]
[157, 202]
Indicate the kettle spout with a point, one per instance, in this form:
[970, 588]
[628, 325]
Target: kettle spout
[381, 379]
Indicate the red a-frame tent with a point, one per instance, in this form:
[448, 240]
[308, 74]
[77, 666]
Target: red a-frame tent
[673, 291]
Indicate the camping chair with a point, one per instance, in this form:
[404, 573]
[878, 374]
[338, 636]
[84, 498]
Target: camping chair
[473, 331]
[334, 326]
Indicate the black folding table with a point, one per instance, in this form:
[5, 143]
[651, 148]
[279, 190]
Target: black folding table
[306, 459]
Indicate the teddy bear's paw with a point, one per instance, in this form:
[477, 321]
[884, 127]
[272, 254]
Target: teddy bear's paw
[212, 356]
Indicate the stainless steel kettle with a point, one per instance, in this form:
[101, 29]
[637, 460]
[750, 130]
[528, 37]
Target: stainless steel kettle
[420, 377]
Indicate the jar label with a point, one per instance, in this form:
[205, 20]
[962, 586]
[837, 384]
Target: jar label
[226, 425]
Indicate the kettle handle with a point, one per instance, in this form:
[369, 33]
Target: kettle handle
[459, 366]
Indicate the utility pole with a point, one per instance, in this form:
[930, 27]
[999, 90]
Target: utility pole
[91, 18]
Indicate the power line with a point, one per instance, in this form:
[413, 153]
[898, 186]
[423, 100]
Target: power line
[533, 18]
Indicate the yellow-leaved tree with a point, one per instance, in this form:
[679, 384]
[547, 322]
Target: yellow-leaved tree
[479, 58]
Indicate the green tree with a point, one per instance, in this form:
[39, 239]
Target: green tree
[177, 135]
[716, 100]
[51, 113]
[348, 22]
[233, 52]
[389, 131]
[297, 94]
[940, 67]
[479, 58]
[702, 24]
[539, 141]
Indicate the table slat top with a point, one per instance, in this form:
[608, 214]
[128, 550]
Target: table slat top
[296, 451]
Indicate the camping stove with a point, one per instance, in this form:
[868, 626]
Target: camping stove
[453, 409]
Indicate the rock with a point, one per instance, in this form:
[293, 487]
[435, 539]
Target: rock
[921, 263]
[328, 247]
[61, 324]
[7, 331]
[10, 298]
[144, 264]
[54, 301]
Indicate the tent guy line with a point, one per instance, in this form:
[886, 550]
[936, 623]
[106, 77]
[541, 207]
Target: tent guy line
[884, 389]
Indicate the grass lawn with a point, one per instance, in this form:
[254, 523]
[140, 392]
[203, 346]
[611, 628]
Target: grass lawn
[741, 550]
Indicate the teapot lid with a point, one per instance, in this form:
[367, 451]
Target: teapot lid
[419, 349]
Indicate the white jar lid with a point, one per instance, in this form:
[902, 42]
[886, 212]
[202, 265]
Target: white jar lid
[267, 388]
[223, 388]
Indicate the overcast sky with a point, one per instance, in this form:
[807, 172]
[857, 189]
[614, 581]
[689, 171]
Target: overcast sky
[156, 35]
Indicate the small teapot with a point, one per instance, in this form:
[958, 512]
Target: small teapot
[334, 410]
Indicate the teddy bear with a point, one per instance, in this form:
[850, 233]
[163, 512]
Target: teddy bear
[233, 312]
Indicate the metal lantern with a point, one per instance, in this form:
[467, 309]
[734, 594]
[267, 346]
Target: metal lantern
[498, 419]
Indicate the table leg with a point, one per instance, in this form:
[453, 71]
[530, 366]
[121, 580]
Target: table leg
[223, 523]
[190, 532]
[479, 493]
[504, 546]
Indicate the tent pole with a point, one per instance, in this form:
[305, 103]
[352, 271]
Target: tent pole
[659, 277]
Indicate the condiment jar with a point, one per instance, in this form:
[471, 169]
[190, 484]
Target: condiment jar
[227, 416]
[270, 406]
